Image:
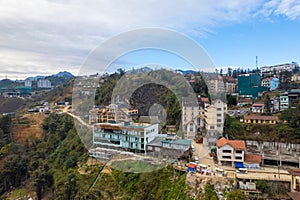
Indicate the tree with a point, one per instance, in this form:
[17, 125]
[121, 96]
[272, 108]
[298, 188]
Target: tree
[268, 104]
[210, 193]
[229, 71]
[235, 195]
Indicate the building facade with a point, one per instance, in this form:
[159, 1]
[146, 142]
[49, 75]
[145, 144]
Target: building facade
[230, 152]
[284, 101]
[258, 119]
[249, 85]
[258, 107]
[44, 83]
[274, 83]
[128, 136]
[191, 117]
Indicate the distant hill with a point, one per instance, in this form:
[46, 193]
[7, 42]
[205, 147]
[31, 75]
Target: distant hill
[64, 74]
[185, 72]
[10, 104]
[56, 79]
[139, 70]
[59, 78]
[6, 83]
[35, 78]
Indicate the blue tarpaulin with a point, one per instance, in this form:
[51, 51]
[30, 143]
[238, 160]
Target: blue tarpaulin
[238, 165]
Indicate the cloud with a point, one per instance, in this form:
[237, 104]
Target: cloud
[287, 8]
[49, 36]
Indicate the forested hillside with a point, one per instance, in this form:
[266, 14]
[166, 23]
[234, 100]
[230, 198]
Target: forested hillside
[55, 167]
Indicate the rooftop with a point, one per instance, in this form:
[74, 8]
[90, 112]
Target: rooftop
[259, 117]
[295, 172]
[187, 101]
[181, 142]
[253, 158]
[236, 144]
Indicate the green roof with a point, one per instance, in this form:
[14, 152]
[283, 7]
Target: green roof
[183, 142]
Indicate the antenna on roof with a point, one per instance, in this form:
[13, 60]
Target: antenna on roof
[256, 61]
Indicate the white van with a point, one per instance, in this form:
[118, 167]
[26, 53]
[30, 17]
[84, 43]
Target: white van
[242, 171]
[193, 148]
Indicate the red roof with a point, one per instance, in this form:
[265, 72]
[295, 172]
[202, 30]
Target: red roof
[252, 158]
[205, 100]
[259, 117]
[258, 104]
[294, 195]
[192, 166]
[236, 144]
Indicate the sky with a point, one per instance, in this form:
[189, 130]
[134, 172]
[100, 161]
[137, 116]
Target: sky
[42, 37]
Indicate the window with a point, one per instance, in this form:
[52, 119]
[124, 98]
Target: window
[219, 115]
[191, 127]
[238, 158]
[212, 127]
[219, 109]
[226, 157]
[226, 151]
[219, 120]
[238, 151]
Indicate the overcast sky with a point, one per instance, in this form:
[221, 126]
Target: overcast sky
[45, 37]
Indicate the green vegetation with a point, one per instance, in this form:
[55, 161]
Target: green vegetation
[288, 130]
[235, 195]
[210, 193]
[50, 168]
[146, 91]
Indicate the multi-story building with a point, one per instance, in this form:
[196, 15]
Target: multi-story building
[230, 152]
[28, 83]
[128, 136]
[221, 113]
[284, 101]
[210, 126]
[279, 68]
[249, 85]
[214, 117]
[230, 88]
[275, 104]
[294, 97]
[296, 78]
[111, 114]
[191, 117]
[162, 147]
[44, 83]
[266, 82]
[258, 107]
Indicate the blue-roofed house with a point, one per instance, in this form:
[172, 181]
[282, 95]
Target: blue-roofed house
[274, 83]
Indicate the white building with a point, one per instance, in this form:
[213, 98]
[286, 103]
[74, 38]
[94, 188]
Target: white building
[28, 83]
[128, 136]
[266, 82]
[44, 83]
[231, 152]
[279, 68]
[221, 113]
[258, 107]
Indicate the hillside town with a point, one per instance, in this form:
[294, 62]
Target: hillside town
[201, 145]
